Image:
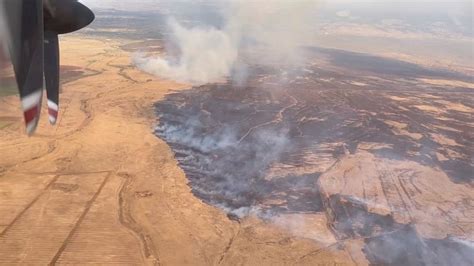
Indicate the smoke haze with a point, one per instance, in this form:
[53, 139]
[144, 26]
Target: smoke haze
[206, 54]
[211, 53]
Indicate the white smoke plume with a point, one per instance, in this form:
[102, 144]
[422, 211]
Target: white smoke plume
[205, 54]
[269, 33]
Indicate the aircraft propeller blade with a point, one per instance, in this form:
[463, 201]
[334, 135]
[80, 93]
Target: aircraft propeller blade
[51, 73]
[26, 49]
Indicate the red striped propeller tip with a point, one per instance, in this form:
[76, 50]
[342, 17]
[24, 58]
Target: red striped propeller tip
[53, 109]
[31, 119]
[31, 110]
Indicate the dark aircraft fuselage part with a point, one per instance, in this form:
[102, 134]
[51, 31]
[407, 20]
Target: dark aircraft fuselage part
[65, 16]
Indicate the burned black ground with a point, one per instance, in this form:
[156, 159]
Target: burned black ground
[230, 139]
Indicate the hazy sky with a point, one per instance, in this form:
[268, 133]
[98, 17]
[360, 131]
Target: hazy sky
[458, 8]
[456, 15]
[388, 3]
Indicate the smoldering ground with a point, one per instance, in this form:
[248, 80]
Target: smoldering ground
[228, 138]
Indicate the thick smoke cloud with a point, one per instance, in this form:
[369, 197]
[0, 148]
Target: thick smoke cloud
[206, 54]
[251, 32]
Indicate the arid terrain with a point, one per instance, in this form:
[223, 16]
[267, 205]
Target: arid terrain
[351, 159]
[101, 188]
